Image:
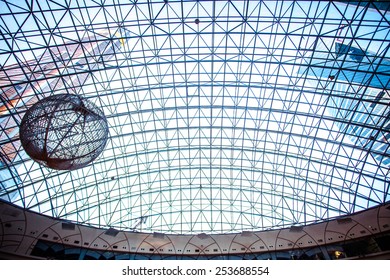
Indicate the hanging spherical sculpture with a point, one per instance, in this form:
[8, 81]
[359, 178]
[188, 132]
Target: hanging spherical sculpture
[64, 132]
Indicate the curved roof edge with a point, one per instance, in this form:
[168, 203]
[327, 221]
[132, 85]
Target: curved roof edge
[20, 230]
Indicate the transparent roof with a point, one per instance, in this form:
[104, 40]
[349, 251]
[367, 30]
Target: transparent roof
[224, 116]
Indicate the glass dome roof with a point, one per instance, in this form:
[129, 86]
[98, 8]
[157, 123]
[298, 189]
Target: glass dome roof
[224, 116]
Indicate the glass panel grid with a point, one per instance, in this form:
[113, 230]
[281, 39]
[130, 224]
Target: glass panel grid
[223, 116]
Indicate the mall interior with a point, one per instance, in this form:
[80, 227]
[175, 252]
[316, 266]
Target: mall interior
[194, 130]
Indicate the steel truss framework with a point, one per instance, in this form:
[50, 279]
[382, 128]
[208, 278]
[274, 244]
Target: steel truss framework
[213, 127]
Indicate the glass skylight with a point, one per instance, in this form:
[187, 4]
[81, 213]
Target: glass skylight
[224, 116]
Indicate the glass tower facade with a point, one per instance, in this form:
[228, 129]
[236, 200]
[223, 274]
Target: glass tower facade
[224, 116]
[357, 84]
[60, 69]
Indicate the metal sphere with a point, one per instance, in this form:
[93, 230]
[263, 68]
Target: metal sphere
[64, 132]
